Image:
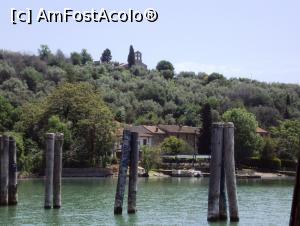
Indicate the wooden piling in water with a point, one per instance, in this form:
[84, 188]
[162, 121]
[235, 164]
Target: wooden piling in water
[57, 170]
[230, 171]
[1, 150]
[13, 174]
[215, 172]
[4, 158]
[295, 210]
[223, 204]
[126, 148]
[133, 173]
[49, 169]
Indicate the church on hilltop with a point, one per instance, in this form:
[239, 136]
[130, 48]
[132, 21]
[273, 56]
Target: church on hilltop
[138, 59]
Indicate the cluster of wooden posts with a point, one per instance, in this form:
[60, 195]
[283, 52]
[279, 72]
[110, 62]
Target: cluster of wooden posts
[222, 174]
[8, 171]
[222, 170]
[54, 144]
[130, 157]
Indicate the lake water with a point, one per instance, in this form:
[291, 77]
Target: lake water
[161, 201]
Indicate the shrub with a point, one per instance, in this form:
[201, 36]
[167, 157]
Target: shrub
[269, 147]
[150, 158]
[173, 146]
[32, 77]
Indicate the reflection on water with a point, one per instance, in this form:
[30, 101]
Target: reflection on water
[161, 201]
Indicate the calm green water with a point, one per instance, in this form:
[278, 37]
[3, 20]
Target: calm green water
[165, 201]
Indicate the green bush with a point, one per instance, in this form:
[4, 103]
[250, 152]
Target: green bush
[150, 158]
[269, 147]
[32, 160]
[173, 146]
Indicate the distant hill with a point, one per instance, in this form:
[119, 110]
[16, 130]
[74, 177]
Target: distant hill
[141, 96]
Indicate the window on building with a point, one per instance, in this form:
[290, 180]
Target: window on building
[144, 141]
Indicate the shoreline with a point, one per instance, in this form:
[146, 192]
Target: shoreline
[155, 174]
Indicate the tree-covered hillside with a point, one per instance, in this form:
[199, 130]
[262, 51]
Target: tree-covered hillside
[133, 94]
[142, 96]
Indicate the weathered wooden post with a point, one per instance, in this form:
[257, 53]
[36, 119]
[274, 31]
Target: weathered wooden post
[13, 174]
[59, 140]
[49, 169]
[230, 171]
[295, 210]
[1, 151]
[223, 204]
[4, 171]
[133, 173]
[126, 148]
[215, 172]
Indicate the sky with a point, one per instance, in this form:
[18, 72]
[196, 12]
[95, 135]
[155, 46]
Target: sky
[254, 39]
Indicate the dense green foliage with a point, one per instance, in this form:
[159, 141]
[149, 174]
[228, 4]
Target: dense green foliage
[246, 140]
[30, 107]
[150, 158]
[174, 146]
[166, 68]
[137, 92]
[7, 114]
[268, 151]
[78, 111]
[286, 136]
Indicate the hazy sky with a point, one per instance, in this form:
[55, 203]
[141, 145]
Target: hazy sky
[255, 39]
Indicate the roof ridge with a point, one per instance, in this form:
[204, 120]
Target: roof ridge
[145, 126]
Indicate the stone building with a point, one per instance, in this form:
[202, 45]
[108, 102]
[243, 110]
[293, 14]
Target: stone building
[139, 60]
[155, 134]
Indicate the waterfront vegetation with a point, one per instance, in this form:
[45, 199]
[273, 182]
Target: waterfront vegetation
[73, 95]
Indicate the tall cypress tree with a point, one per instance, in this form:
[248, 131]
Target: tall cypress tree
[205, 137]
[131, 57]
[288, 100]
[288, 103]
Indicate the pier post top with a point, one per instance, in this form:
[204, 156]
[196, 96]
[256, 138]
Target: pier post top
[59, 136]
[5, 137]
[50, 135]
[229, 125]
[218, 125]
